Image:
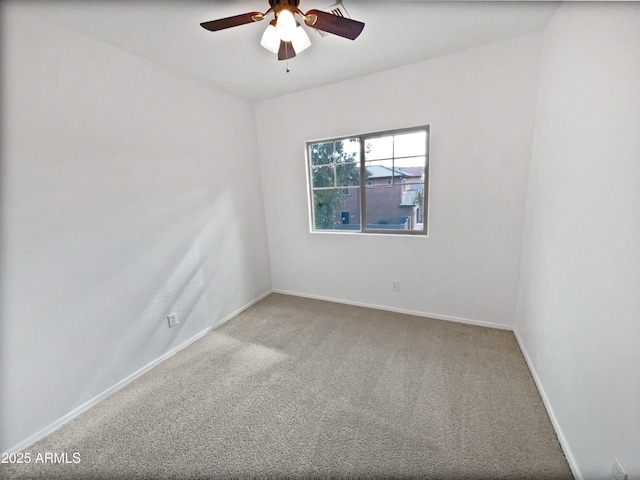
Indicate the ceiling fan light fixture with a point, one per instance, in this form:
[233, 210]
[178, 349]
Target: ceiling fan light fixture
[300, 40]
[271, 38]
[286, 25]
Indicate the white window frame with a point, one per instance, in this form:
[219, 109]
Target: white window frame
[365, 185]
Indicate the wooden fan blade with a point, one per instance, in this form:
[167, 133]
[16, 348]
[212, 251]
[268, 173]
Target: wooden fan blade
[235, 21]
[286, 51]
[327, 22]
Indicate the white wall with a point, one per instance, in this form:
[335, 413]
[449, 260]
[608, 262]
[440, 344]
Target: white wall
[480, 104]
[579, 302]
[128, 192]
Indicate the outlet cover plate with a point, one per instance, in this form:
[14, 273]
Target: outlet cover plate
[172, 319]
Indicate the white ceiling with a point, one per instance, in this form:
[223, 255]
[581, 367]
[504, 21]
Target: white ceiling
[396, 33]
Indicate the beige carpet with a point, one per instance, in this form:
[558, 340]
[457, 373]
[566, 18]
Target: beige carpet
[298, 387]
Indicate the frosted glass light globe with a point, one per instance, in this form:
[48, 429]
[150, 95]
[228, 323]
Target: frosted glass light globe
[286, 25]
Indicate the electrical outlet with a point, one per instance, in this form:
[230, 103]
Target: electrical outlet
[396, 285]
[173, 320]
[617, 470]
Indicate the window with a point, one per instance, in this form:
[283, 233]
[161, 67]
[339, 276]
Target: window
[392, 165]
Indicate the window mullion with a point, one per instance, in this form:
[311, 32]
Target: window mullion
[335, 169]
[363, 197]
[393, 159]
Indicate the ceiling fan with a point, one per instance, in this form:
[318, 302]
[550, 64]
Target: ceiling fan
[284, 35]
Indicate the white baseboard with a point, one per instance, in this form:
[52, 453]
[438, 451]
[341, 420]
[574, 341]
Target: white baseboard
[49, 429]
[547, 404]
[436, 316]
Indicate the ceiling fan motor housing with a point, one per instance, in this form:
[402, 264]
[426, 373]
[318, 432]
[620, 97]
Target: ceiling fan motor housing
[284, 3]
[279, 5]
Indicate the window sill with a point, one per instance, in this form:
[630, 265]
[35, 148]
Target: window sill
[380, 234]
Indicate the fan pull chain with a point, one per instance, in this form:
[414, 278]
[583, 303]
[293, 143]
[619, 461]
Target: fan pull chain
[286, 48]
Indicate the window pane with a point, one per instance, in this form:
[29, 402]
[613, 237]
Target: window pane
[394, 208]
[337, 209]
[321, 153]
[348, 174]
[323, 176]
[378, 148]
[347, 150]
[410, 144]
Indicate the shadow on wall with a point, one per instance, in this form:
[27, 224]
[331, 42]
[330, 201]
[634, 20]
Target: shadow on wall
[204, 284]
